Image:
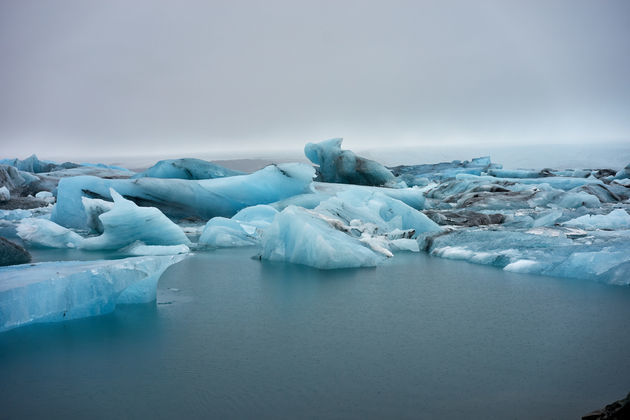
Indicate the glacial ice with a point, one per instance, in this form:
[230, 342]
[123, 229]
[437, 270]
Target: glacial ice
[5, 194]
[59, 291]
[336, 165]
[180, 198]
[243, 229]
[122, 225]
[187, 168]
[570, 223]
[617, 219]
[302, 236]
[355, 228]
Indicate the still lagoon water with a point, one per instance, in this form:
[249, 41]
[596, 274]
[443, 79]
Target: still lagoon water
[420, 337]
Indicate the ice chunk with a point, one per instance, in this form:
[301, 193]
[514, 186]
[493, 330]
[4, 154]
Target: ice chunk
[34, 165]
[548, 218]
[336, 165]
[376, 208]
[423, 174]
[601, 256]
[624, 173]
[5, 194]
[187, 168]
[301, 236]
[337, 233]
[242, 229]
[124, 224]
[222, 232]
[46, 196]
[186, 198]
[616, 219]
[47, 234]
[59, 291]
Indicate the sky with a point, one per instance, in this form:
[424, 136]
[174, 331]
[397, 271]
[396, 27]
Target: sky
[87, 77]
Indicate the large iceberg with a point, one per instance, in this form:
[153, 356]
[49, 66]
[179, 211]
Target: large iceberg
[187, 168]
[354, 228]
[336, 165]
[59, 291]
[180, 198]
[301, 236]
[124, 224]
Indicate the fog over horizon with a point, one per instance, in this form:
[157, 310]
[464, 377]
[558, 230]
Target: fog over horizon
[159, 78]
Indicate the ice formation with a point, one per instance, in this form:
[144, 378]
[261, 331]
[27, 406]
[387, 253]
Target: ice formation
[59, 291]
[5, 194]
[122, 225]
[355, 228]
[180, 198]
[187, 168]
[616, 219]
[336, 165]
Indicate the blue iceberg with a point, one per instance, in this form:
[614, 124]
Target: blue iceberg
[59, 291]
[187, 168]
[180, 198]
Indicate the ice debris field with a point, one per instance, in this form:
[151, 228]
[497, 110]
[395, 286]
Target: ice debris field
[342, 211]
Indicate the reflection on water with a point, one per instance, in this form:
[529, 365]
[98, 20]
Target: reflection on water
[232, 336]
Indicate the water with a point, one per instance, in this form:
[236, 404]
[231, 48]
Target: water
[234, 337]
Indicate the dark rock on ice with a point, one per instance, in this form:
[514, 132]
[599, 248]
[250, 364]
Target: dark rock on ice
[619, 410]
[12, 254]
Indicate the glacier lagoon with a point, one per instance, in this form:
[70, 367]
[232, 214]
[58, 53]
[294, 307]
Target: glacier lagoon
[420, 336]
[406, 329]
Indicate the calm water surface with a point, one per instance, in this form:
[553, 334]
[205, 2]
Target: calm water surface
[422, 337]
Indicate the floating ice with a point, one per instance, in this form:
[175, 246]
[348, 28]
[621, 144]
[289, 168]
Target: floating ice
[423, 174]
[59, 291]
[616, 219]
[336, 165]
[242, 229]
[124, 224]
[203, 199]
[5, 194]
[187, 168]
[355, 228]
[601, 256]
[301, 236]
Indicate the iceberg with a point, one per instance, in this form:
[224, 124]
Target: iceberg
[301, 236]
[59, 291]
[5, 194]
[562, 252]
[616, 219]
[243, 229]
[124, 224]
[355, 228]
[180, 198]
[187, 168]
[343, 166]
[423, 174]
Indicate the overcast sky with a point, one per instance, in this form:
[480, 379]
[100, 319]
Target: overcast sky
[83, 77]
